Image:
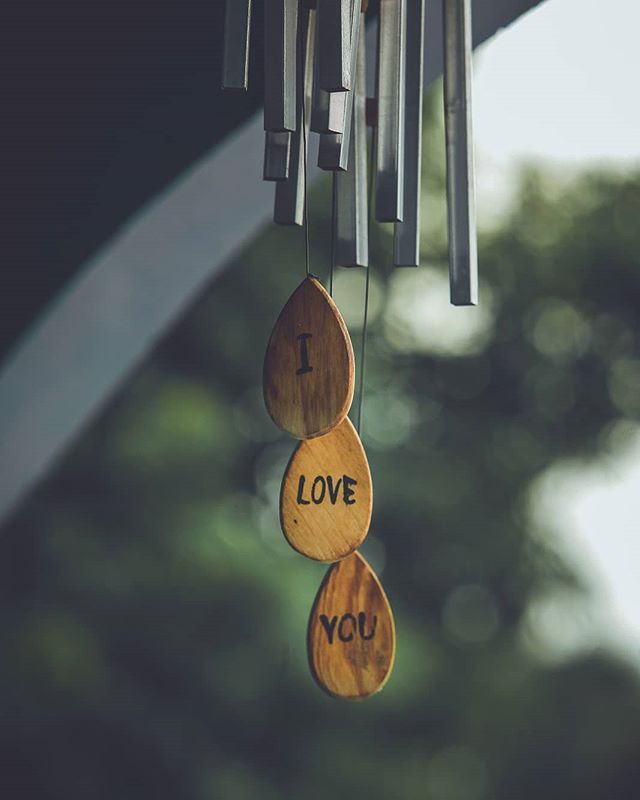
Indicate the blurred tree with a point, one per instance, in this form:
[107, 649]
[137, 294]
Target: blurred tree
[154, 618]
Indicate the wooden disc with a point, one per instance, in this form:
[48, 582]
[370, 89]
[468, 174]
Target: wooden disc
[308, 374]
[351, 638]
[327, 497]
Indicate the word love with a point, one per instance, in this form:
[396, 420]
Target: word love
[309, 369]
[351, 655]
[348, 627]
[327, 497]
[326, 487]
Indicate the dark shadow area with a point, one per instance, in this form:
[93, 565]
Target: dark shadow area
[104, 104]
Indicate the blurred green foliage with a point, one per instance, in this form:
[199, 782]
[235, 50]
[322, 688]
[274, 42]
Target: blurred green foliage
[153, 636]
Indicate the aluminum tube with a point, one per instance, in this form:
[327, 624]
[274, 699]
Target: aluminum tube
[327, 108]
[235, 57]
[277, 149]
[406, 235]
[350, 215]
[333, 152]
[391, 86]
[334, 45]
[290, 195]
[280, 34]
[327, 111]
[463, 256]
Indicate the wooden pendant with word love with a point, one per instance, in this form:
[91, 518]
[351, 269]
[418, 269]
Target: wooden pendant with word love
[351, 639]
[327, 496]
[308, 374]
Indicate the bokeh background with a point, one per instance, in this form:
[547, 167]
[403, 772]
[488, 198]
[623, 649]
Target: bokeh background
[154, 619]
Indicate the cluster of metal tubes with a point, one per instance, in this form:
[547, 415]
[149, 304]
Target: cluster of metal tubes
[315, 81]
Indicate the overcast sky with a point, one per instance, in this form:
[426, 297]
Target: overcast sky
[561, 86]
[562, 83]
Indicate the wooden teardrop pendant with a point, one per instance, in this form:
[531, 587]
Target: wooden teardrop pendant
[308, 376]
[351, 637]
[327, 496]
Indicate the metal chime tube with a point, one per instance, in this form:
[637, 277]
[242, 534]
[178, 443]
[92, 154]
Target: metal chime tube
[463, 259]
[406, 240]
[391, 86]
[280, 34]
[290, 195]
[327, 108]
[235, 59]
[334, 45]
[350, 214]
[277, 149]
[333, 152]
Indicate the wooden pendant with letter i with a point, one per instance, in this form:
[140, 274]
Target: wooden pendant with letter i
[351, 638]
[308, 376]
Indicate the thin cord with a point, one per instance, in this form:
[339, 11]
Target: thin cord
[305, 216]
[334, 196]
[363, 351]
[365, 321]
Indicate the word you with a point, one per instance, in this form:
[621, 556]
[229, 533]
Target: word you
[348, 627]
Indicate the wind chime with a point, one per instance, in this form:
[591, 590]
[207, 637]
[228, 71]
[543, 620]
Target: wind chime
[315, 81]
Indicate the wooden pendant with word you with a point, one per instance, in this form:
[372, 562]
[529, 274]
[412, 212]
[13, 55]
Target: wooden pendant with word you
[308, 376]
[351, 638]
[327, 496]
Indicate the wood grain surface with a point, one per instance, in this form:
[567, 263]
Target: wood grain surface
[308, 376]
[351, 638]
[326, 496]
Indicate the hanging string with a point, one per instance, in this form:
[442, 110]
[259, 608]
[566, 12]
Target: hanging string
[305, 215]
[365, 320]
[334, 197]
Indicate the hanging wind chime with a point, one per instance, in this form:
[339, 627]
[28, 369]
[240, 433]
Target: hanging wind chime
[315, 81]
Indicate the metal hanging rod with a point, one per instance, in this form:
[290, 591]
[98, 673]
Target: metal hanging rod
[333, 152]
[277, 150]
[406, 234]
[391, 93]
[334, 45]
[350, 213]
[463, 258]
[290, 195]
[235, 59]
[280, 91]
[314, 49]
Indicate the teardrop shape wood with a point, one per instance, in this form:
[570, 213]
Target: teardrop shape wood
[351, 638]
[326, 496]
[308, 373]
